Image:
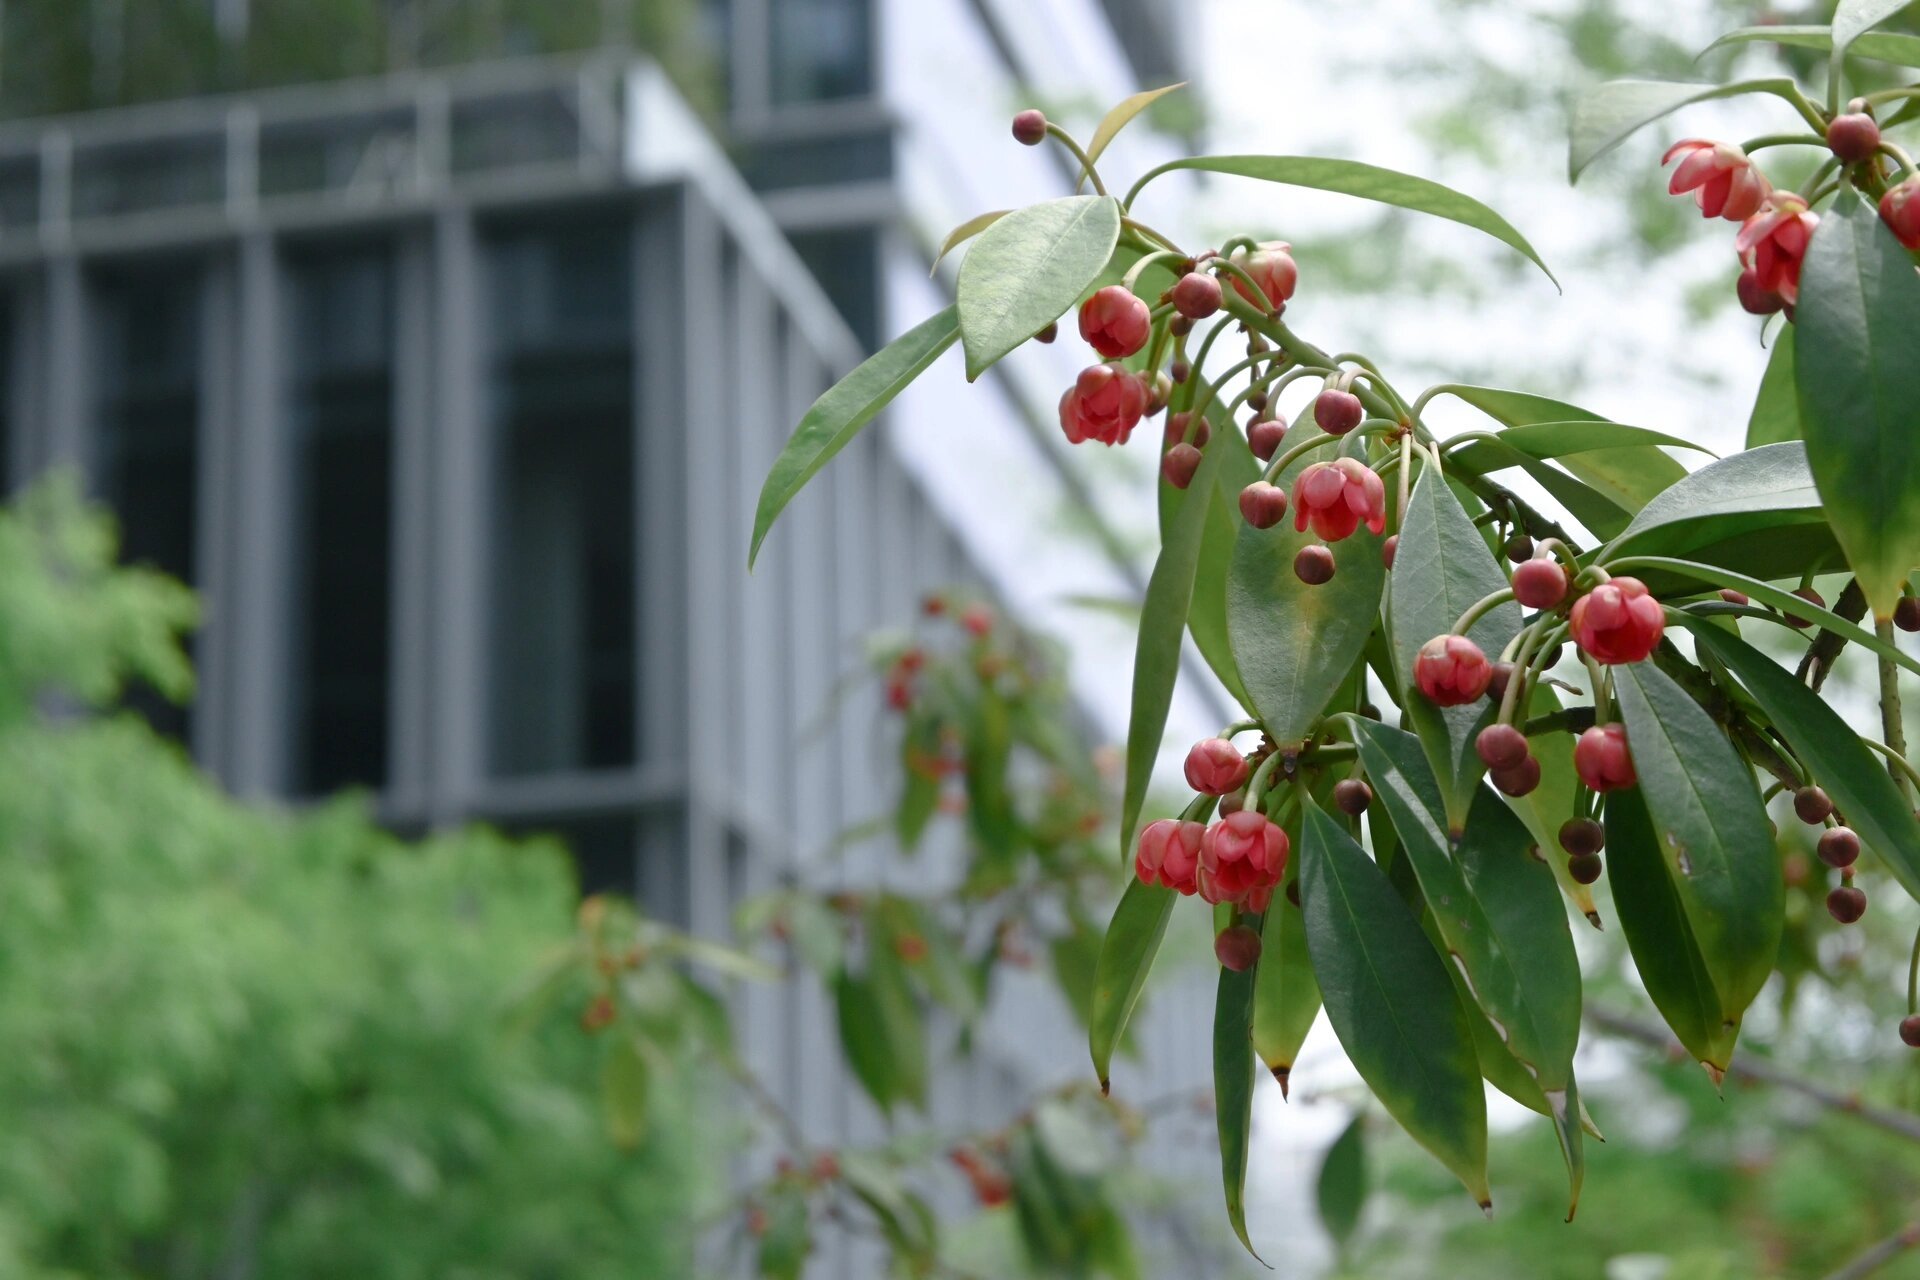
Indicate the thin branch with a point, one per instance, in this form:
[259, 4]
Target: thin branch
[1880, 1254]
[1826, 647]
[1890, 720]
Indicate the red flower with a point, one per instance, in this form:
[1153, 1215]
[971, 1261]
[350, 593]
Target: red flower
[1618, 622]
[1241, 856]
[1335, 497]
[1725, 183]
[1272, 267]
[1900, 210]
[1169, 854]
[1215, 767]
[1774, 241]
[1539, 584]
[1105, 403]
[1602, 759]
[1115, 322]
[1452, 671]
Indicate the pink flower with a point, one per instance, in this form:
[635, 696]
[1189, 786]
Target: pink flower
[1242, 855]
[1215, 767]
[1169, 854]
[1105, 403]
[1451, 671]
[1602, 759]
[1900, 210]
[1272, 267]
[1617, 622]
[1773, 242]
[1115, 322]
[1725, 182]
[1335, 497]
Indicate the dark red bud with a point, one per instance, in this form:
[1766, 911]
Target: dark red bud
[1179, 465]
[1731, 596]
[1388, 549]
[1264, 438]
[1539, 584]
[1811, 805]
[1181, 370]
[1048, 334]
[1853, 137]
[1910, 1031]
[1847, 904]
[1838, 847]
[1755, 300]
[1519, 780]
[1497, 687]
[1179, 326]
[1352, 796]
[1519, 548]
[1582, 835]
[1811, 597]
[1906, 614]
[1338, 412]
[1313, 565]
[1030, 127]
[1197, 295]
[1237, 947]
[1585, 868]
[1263, 505]
[1501, 746]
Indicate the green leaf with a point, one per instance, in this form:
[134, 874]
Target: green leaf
[1370, 182]
[788, 1239]
[1294, 643]
[964, 232]
[1611, 113]
[904, 1218]
[989, 750]
[1859, 384]
[1713, 832]
[1885, 46]
[1659, 936]
[848, 405]
[863, 1037]
[1027, 269]
[1853, 18]
[920, 790]
[1442, 568]
[1207, 616]
[1390, 1000]
[1832, 752]
[1545, 807]
[1621, 463]
[1341, 1191]
[1599, 513]
[1163, 628]
[1757, 509]
[1116, 120]
[623, 1091]
[1126, 956]
[1776, 409]
[1233, 1090]
[1286, 998]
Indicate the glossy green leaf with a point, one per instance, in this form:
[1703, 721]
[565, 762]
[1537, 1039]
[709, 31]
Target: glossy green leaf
[1441, 569]
[1233, 1077]
[1117, 119]
[1207, 616]
[1027, 269]
[920, 748]
[1855, 779]
[1370, 182]
[1713, 831]
[1757, 510]
[1854, 18]
[1559, 439]
[904, 1217]
[1294, 643]
[1341, 1191]
[964, 232]
[1884, 46]
[1604, 517]
[1859, 385]
[1126, 957]
[1611, 113]
[1660, 937]
[989, 751]
[1163, 629]
[1776, 408]
[623, 1090]
[848, 405]
[1623, 464]
[1545, 807]
[1390, 1000]
[863, 1037]
[1286, 997]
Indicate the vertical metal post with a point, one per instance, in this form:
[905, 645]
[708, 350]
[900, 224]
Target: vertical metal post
[411, 746]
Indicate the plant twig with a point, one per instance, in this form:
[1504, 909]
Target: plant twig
[1890, 720]
[1819, 658]
[1879, 1254]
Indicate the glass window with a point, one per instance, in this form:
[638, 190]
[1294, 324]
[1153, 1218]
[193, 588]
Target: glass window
[147, 417]
[563, 673]
[821, 49]
[6, 396]
[602, 847]
[340, 389]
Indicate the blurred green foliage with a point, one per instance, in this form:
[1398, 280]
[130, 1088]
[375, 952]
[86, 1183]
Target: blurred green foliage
[243, 1043]
[69, 55]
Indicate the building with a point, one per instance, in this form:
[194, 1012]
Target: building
[451, 391]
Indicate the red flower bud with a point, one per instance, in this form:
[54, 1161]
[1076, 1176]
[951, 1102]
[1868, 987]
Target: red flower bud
[1338, 412]
[1451, 671]
[1336, 497]
[1520, 779]
[1272, 267]
[1177, 425]
[1264, 437]
[1725, 183]
[1847, 904]
[1618, 621]
[1197, 295]
[1582, 835]
[1838, 847]
[1237, 947]
[1263, 505]
[1352, 796]
[1115, 322]
[1755, 300]
[1168, 853]
[1501, 746]
[1900, 210]
[1389, 549]
[1731, 596]
[1853, 137]
[1602, 759]
[1105, 403]
[1241, 855]
[1811, 805]
[1179, 464]
[1812, 597]
[1215, 767]
[1030, 127]
[1314, 565]
[1906, 614]
[1910, 1031]
[1585, 868]
[1539, 584]
[1773, 242]
[978, 620]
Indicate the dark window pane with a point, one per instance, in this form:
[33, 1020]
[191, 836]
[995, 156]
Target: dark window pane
[602, 847]
[6, 395]
[822, 49]
[340, 385]
[562, 683]
[846, 262]
[146, 445]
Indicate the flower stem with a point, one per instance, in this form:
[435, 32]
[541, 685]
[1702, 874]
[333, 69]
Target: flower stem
[1065, 139]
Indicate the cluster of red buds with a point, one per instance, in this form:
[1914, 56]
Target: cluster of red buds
[903, 672]
[1238, 859]
[992, 1186]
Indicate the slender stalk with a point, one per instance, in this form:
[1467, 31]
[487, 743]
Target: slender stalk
[1065, 139]
[1479, 608]
[1891, 725]
[1879, 1254]
[1895, 760]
